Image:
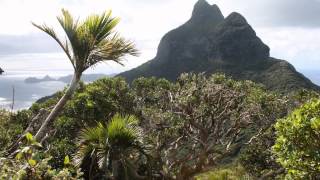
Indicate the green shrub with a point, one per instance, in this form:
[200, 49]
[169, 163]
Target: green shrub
[11, 126]
[257, 157]
[31, 163]
[227, 173]
[297, 144]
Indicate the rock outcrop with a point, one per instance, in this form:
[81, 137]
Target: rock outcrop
[210, 43]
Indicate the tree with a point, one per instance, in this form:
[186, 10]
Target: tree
[88, 43]
[201, 121]
[258, 158]
[297, 145]
[111, 149]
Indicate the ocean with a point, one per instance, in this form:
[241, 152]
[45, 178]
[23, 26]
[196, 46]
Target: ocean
[26, 94]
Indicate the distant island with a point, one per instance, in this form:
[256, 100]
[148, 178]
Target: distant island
[37, 80]
[1, 71]
[67, 79]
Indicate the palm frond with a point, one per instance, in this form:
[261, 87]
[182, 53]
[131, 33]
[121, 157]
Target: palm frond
[121, 138]
[103, 156]
[78, 37]
[112, 49]
[92, 40]
[100, 26]
[91, 142]
[52, 33]
[123, 131]
[69, 25]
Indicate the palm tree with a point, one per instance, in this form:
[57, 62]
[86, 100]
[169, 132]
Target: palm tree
[111, 148]
[88, 43]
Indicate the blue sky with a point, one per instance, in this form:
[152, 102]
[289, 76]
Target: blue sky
[291, 28]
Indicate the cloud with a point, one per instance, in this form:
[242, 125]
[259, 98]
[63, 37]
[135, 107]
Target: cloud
[299, 46]
[276, 13]
[29, 43]
[290, 27]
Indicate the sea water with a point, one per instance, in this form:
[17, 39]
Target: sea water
[25, 93]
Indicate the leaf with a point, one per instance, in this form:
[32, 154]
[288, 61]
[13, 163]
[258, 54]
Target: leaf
[35, 143]
[26, 149]
[19, 156]
[315, 123]
[32, 162]
[66, 160]
[29, 136]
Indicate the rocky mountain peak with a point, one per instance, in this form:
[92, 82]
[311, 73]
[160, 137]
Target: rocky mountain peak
[203, 12]
[210, 43]
[236, 19]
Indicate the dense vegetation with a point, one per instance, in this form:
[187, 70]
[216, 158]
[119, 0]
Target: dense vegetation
[298, 142]
[157, 129]
[200, 126]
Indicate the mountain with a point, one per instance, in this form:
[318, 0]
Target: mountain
[38, 80]
[208, 42]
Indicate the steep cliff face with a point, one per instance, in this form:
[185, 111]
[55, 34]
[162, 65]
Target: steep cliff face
[210, 43]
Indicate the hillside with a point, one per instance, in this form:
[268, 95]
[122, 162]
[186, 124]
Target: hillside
[211, 43]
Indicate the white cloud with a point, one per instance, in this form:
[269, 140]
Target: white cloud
[145, 22]
[279, 13]
[298, 45]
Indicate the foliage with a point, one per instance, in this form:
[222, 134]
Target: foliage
[12, 126]
[111, 150]
[178, 120]
[5, 131]
[90, 41]
[32, 164]
[201, 121]
[297, 144]
[100, 100]
[92, 103]
[59, 149]
[257, 158]
[225, 173]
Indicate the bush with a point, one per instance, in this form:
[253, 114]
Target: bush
[227, 173]
[257, 158]
[297, 144]
[11, 126]
[31, 163]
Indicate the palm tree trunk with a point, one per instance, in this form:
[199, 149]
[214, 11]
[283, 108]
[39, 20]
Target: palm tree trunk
[58, 107]
[115, 168]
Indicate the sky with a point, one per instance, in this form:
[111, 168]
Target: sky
[291, 28]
